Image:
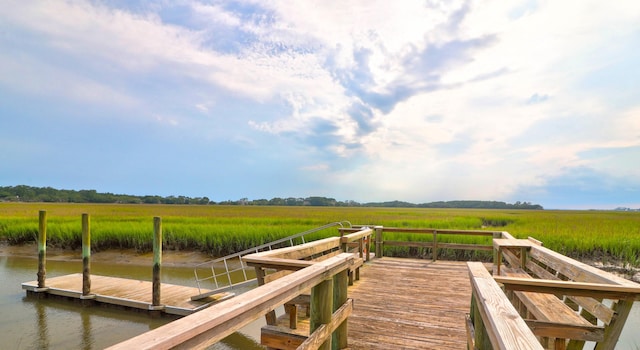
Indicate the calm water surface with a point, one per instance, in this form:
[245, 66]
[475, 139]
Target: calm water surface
[28, 323]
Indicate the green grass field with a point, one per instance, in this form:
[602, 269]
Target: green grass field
[219, 230]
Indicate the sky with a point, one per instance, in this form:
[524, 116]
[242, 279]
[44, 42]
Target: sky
[370, 101]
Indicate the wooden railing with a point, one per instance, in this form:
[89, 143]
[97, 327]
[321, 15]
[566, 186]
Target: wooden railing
[535, 299]
[272, 265]
[434, 244]
[563, 301]
[209, 326]
[494, 322]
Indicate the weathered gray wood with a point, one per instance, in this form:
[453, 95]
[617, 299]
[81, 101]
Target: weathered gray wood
[211, 325]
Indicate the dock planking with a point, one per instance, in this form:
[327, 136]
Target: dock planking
[129, 293]
[410, 304]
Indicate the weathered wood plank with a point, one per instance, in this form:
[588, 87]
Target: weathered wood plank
[504, 326]
[610, 291]
[126, 292]
[389, 313]
[211, 325]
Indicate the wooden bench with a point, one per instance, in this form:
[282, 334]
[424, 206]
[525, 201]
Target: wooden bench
[494, 323]
[549, 316]
[560, 298]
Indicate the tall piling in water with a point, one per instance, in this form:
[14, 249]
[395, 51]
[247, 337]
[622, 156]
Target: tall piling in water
[157, 261]
[42, 248]
[86, 255]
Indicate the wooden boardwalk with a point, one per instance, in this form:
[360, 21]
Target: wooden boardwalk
[410, 304]
[127, 293]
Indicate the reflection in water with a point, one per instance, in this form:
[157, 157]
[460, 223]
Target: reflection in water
[51, 323]
[87, 336]
[43, 330]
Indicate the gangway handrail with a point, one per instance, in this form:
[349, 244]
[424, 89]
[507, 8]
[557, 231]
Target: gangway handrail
[243, 267]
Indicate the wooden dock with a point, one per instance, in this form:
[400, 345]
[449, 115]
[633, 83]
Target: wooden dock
[135, 294]
[398, 304]
[410, 304]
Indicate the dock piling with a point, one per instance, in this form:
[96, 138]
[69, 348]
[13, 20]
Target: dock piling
[157, 261]
[42, 249]
[86, 256]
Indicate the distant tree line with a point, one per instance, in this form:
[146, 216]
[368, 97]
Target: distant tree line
[23, 193]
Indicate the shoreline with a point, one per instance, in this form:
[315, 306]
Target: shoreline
[189, 258]
[170, 258]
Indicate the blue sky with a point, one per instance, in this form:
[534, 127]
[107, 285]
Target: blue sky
[417, 101]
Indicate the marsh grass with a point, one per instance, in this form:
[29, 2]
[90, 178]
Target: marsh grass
[219, 230]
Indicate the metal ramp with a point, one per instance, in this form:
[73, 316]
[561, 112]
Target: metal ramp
[231, 272]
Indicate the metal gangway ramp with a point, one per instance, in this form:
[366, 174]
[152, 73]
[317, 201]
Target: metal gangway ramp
[231, 272]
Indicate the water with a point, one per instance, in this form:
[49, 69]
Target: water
[30, 323]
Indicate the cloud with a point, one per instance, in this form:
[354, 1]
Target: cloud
[419, 101]
[585, 188]
[537, 98]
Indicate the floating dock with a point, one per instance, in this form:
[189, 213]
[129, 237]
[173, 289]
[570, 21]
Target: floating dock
[128, 293]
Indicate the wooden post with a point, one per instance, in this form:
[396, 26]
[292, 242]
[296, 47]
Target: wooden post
[344, 246]
[496, 254]
[379, 247]
[42, 248]
[622, 309]
[270, 317]
[340, 285]
[434, 247]
[321, 308]
[157, 260]
[86, 255]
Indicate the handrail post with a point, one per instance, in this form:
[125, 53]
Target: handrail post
[379, 243]
[496, 256]
[86, 255]
[434, 248]
[340, 285]
[157, 262]
[42, 248]
[321, 308]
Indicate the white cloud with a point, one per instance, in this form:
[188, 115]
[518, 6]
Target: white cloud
[439, 100]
